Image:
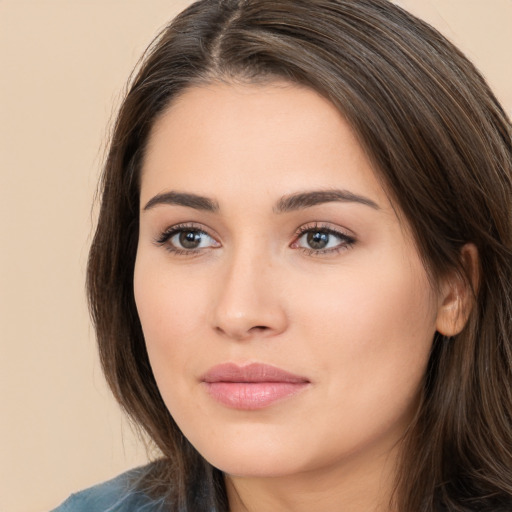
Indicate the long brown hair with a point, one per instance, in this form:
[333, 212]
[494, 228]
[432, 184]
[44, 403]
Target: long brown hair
[442, 147]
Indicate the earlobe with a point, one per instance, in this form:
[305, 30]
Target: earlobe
[457, 294]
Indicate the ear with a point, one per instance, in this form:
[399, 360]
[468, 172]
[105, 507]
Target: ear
[457, 294]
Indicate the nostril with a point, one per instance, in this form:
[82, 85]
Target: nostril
[245, 319]
[259, 328]
[242, 334]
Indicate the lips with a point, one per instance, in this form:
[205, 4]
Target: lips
[251, 387]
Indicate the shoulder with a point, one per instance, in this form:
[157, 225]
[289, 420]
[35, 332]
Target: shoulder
[116, 495]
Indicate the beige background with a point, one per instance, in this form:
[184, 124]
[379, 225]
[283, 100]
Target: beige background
[63, 64]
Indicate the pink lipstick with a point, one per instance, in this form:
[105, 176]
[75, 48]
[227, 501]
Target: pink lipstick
[251, 387]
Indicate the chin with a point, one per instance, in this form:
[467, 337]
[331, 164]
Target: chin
[255, 459]
[260, 467]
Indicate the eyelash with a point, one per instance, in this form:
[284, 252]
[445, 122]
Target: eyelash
[169, 233]
[346, 241]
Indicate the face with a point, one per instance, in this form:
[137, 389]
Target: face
[287, 315]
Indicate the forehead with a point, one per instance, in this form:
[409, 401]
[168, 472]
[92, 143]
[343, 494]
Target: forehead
[276, 137]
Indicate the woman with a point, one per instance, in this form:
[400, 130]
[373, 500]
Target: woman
[301, 275]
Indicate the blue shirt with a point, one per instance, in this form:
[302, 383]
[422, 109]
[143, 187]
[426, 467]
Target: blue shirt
[116, 495]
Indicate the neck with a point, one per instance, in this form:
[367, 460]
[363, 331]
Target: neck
[352, 486]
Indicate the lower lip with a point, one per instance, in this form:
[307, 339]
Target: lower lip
[251, 396]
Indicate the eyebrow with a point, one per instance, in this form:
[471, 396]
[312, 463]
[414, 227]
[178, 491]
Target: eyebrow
[293, 202]
[183, 199]
[308, 199]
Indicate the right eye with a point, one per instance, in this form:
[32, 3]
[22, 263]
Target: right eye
[186, 240]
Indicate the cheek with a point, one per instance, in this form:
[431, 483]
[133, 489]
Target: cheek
[171, 309]
[374, 331]
[382, 301]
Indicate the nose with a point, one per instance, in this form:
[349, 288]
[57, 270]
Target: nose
[248, 302]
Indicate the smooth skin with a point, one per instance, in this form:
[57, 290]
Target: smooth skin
[329, 286]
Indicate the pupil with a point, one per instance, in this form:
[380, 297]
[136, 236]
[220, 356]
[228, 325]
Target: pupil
[190, 239]
[318, 240]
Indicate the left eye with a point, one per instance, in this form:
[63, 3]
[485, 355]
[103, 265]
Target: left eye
[322, 239]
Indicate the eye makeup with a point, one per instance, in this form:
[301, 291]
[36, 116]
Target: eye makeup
[186, 240]
[314, 239]
[320, 239]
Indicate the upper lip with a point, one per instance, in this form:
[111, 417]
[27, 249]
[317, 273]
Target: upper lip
[254, 372]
